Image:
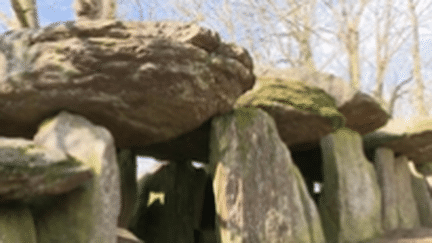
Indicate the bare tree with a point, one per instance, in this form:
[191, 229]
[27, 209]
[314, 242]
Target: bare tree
[26, 13]
[390, 34]
[347, 15]
[417, 62]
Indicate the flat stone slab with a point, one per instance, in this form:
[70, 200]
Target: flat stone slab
[363, 114]
[28, 171]
[303, 114]
[146, 82]
[412, 138]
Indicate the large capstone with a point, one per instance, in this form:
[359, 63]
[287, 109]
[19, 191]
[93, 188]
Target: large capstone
[303, 114]
[363, 114]
[351, 200]
[146, 82]
[260, 194]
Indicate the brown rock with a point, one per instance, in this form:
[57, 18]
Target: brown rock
[385, 170]
[363, 114]
[407, 206]
[422, 196]
[350, 204]
[260, 194]
[28, 171]
[412, 138]
[92, 211]
[303, 114]
[145, 82]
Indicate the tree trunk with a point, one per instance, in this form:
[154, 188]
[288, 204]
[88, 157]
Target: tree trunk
[26, 13]
[419, 90]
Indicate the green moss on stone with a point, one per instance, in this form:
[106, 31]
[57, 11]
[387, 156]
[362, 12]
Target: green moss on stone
[271, 92]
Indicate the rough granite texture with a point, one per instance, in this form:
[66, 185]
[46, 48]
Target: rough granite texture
[89, 214]
[17, 224]
[147, 82]
[422, 196]
[412, 138]
[363, 114]
[385, 169]
[350, 204]
[302, 114]
[407, 206]
[259, 193]
[28, 171]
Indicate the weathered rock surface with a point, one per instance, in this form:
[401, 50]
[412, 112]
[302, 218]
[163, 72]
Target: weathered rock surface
[145, 82]
[127, 165]
[385, 169]
[28, 171]
[401, 191]
[363, 114]
[168, 209]
[303, 114]
[260, 194]
[86, 214]
[407, 206]
[422, 196]
[16, 224]
[351, 199]
[412, 138]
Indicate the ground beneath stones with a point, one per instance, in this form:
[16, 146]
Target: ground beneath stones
[420, 235]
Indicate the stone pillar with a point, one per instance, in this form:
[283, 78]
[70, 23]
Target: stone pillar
[351, 199]
[88, 214]
[422, 196]
[127, 165]
[259, 192]
[16, 224]
[385, 168]
[407, 207]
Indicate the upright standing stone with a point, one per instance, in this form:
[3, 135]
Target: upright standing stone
[422, 196]
[127, 166]
[351, 201]
[16, 224]
[260, 194]
[385, 168]
[87, 214]
[407, 207]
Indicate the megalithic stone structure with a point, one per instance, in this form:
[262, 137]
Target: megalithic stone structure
[260, 194]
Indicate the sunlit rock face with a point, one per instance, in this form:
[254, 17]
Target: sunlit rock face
[29, 172]
[260, 194]
[303, 114]
[363, 114]
[88, 214]
[145, 82]
[411, 138]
